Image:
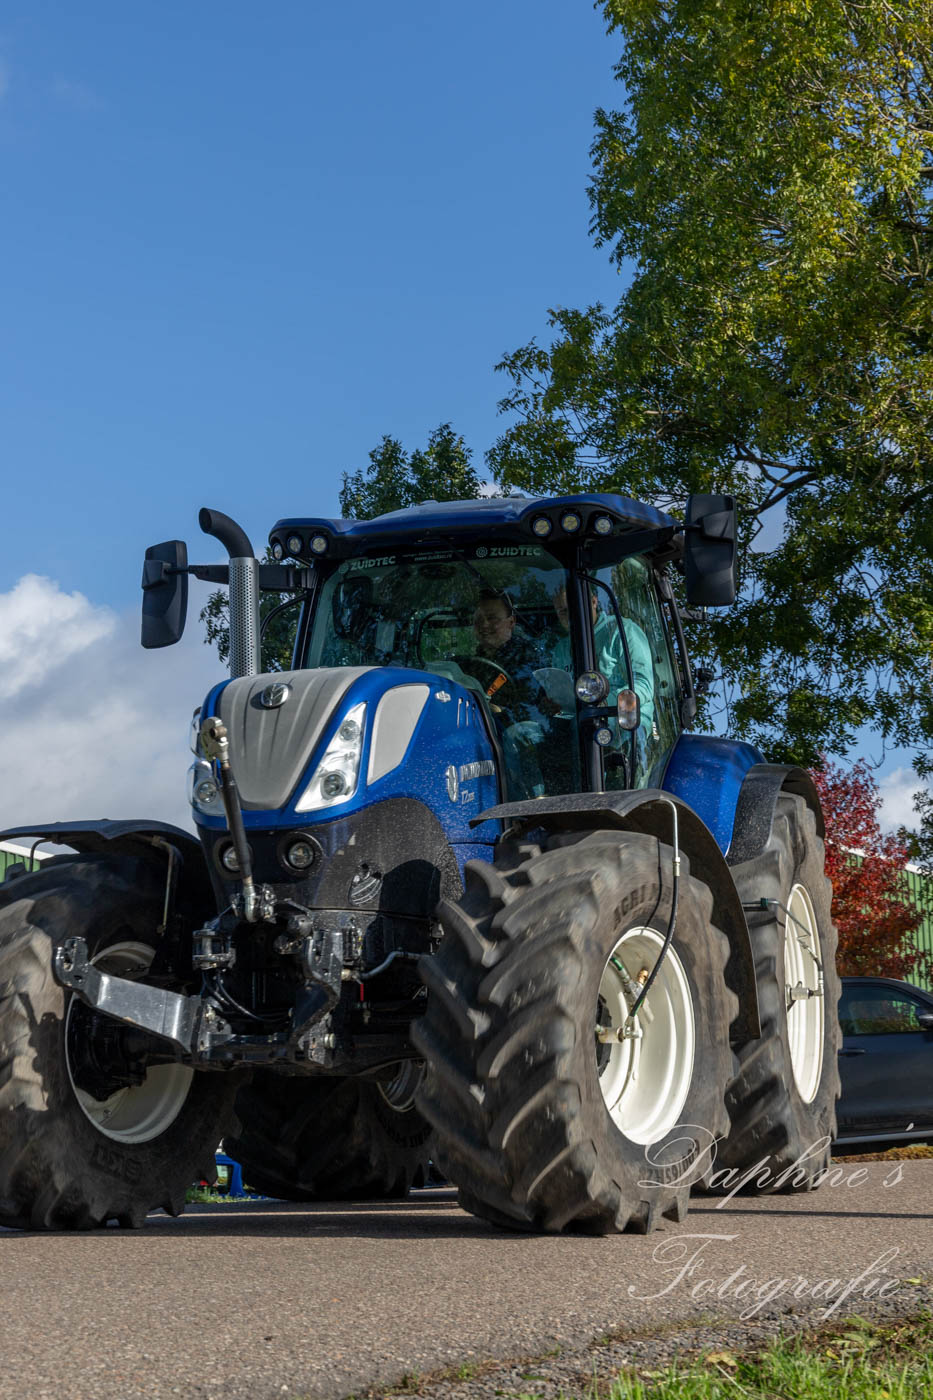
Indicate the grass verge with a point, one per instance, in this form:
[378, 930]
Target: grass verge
[854, 1360]
[861, 1362]
[908, 1152]
[207, 1196]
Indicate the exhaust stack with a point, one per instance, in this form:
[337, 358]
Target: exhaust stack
[244, 591]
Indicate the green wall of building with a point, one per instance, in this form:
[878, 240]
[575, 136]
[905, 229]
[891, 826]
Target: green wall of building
[8, 858]
[920, 889]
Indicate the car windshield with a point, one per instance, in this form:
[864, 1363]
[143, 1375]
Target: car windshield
[493, 618]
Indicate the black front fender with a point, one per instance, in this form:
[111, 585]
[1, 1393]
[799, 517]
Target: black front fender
[754, 811]
[139, 837]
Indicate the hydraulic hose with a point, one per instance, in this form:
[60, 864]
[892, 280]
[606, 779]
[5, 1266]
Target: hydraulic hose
[669, 935]
[216, 745]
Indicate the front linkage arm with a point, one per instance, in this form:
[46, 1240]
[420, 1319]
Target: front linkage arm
[194, 1026]
[188, 1023]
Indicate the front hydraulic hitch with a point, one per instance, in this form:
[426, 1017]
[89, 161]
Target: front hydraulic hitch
[188, 1023]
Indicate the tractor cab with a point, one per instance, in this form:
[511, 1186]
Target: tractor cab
[557, 614]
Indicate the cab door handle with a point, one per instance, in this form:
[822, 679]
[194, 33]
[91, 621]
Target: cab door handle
[851, 1052]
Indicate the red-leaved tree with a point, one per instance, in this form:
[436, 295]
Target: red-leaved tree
[871, 908]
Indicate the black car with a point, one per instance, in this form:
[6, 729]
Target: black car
[886, 1062]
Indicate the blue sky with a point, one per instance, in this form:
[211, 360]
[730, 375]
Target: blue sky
[237, 246]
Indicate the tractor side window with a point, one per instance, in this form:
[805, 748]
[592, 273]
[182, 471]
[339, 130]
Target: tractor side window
[652, 675]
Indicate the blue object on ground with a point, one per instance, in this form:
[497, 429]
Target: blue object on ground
[235, 1186]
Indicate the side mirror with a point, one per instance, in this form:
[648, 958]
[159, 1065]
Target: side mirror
[925, 1018]
[709, 551]
[165, 593]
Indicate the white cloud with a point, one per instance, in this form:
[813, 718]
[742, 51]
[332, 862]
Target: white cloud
[897, 790]
[90, 724]
[41, 628]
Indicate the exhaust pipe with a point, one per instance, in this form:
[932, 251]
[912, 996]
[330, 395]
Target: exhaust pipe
[244, 591]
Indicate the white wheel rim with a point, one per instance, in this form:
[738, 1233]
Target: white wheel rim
[805, 1013]
[139, 1112]
[645, 1080]
[399, 1092]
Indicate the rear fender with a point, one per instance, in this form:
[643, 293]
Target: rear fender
[648, 810]
[757, 802]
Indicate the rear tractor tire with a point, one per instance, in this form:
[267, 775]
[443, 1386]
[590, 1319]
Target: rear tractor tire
[87, 1135]
[332, 1139]
[782, 1103]
[543, 1123]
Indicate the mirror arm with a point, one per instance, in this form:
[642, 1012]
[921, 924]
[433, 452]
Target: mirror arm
[273, 578]
[210, 573]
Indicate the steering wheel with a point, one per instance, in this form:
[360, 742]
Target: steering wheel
[492, 665]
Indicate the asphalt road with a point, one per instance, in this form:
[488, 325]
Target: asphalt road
[267, 1300]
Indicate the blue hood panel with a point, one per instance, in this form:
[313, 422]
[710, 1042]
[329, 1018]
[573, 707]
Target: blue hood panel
[448, 763]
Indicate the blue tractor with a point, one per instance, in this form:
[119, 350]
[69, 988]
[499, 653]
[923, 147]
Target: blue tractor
[465, 889]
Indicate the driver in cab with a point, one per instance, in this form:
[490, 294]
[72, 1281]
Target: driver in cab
[507, 678]
[503, 665]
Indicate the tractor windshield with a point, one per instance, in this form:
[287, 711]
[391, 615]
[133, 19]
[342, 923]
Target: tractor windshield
[489, 618]
[498, 619]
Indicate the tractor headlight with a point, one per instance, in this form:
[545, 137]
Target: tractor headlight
[591, 687]
[336, 776]
[204, 790]
[230, 860]
[300, 855]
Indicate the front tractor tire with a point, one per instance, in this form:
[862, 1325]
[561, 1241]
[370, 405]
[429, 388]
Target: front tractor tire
[782, 1103]
[332, 1138]
[88, 1132]
[541, 1124]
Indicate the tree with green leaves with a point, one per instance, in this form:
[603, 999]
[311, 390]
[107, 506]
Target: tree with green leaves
[393, 480]
[769, 178]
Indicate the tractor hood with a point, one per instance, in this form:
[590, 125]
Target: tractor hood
[374, 732]
[275, 724]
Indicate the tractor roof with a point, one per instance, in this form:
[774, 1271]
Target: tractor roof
[507, 516]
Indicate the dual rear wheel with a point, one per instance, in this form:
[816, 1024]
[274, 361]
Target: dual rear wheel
[782, 1100]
